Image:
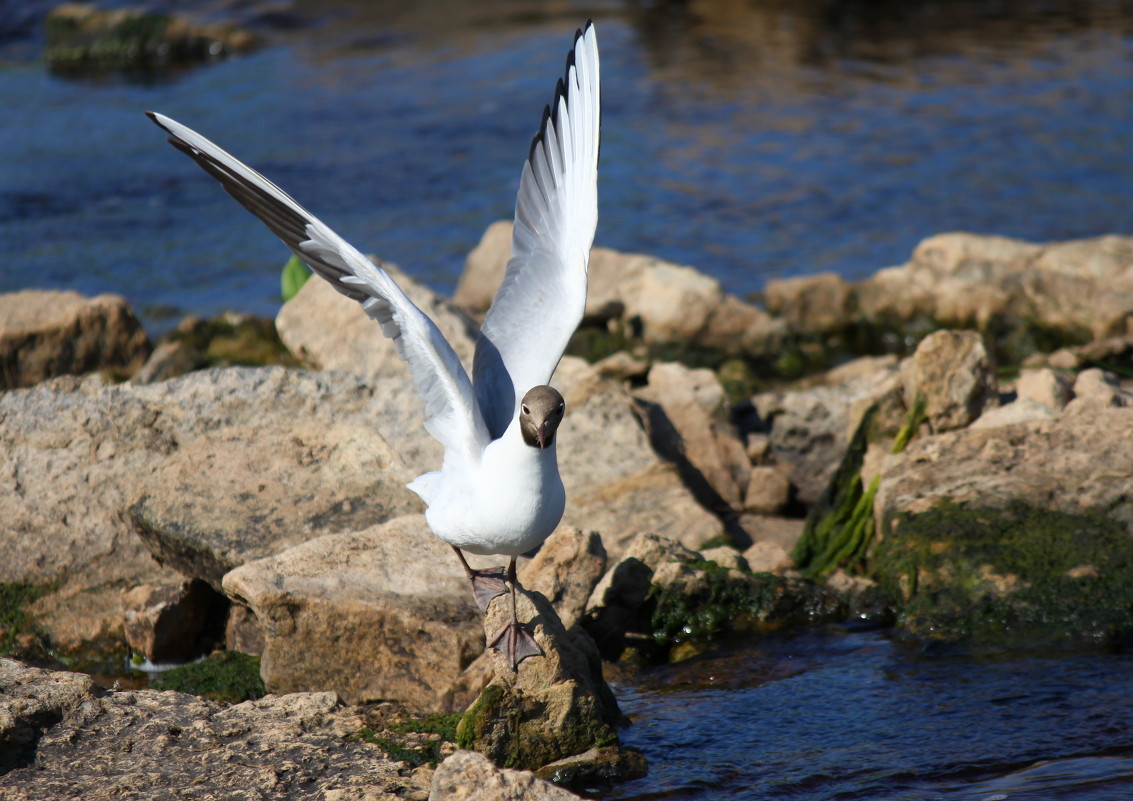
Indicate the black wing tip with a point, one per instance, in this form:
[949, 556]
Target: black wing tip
[551, 111]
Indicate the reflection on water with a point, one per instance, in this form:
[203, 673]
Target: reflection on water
[836, 714]
[749, 139]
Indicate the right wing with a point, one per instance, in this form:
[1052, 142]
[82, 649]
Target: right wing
[543, 294]
[452, 415]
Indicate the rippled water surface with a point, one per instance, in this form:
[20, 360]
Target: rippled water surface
[750, 139]
[837, 714]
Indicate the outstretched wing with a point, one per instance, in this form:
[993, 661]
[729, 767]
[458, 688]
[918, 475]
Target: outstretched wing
[451, 412]
[543, 294]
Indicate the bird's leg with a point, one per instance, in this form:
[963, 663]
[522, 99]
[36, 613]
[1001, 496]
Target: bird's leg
[514, 641]
[486, 583]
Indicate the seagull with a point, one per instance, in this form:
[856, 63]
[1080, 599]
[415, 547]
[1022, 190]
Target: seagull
[498, 491]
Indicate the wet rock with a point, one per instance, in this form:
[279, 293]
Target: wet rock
[554, 706]
[46, 333]
[690, 426]
[595, 768]
[82, 38]
[808, 429]
[468, 776]
[253, 490]
[954, 373]
[174, 623]
[327, 330]
[384, 613]
[981, 530]
[74, 454]
[63, 738]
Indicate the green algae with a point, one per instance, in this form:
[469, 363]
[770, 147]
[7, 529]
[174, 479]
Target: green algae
[1004, 576]
[719, 601]
[15, 619]
[840, 528]
[226, 676]
[416, 741]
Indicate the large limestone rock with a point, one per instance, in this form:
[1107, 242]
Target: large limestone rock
[60, 737]
[329, 331]
[75, 453]
[1017, 530]
[47, 333]
[385, 613]
[662, 302]
[255, 489]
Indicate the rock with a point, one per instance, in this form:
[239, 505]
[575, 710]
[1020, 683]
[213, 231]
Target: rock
[615, 482]
[63, 738]
[255, 489]
[1095, 388]
[468, 776]
[954, 373]
[809, 429]
[554, 706]
[46, 333]
[565, 570]
[1024, 294]
[1021, 411]
[661, 302]
[595, 768]
[817, 304]
[768, 491]
[169, 360]
[81, 38]
[980, 529]
[783, 531]
[73, 454]
[174, 623]
[384, 613]
[768, 557]
[1043, 386]
[726, 557]
[329, 331]
[689, 422]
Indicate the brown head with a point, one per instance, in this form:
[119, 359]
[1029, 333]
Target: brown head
[539, 416]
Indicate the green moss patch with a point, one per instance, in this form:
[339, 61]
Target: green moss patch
[226, 676]
[15, 598]
[412, 739]
[1013, 576]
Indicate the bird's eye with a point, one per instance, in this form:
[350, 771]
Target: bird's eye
[561, 407]
[523, 408]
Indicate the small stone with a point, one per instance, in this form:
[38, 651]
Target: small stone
[596, 767]
[954, 373]
[468, 776]
[725, 557]
[1043, 386]
[768, 491]
[768, 557]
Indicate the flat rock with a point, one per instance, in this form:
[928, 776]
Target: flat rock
[60, 737]
[252, 490]
[384, 613]
[47, 333]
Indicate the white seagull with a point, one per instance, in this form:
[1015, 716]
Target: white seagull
[498, 490]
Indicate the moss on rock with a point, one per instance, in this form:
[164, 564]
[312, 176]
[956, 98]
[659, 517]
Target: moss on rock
[226, 676]
[1020, 575]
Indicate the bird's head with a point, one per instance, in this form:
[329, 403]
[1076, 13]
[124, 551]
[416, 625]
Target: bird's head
[540, 413]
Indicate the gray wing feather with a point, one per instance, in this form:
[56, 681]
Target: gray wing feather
[543, 294]
[452, 414]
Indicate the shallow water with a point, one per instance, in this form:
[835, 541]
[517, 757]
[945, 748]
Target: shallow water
[842, 714]
[750, 139]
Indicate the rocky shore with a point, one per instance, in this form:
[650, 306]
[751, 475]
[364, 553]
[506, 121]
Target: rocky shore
[942, 448]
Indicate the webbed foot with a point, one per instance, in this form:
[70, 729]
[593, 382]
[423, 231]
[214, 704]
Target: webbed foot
[516, 644]
[486, 585]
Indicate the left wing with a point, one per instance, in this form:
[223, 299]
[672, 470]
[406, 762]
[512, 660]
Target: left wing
[543, 294]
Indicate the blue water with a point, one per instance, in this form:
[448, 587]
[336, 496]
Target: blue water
[837, 714]
[770, 140]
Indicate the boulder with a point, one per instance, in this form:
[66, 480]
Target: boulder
[815, 304]
[469, 776]
[553, 706]
[689, 421]
[61, 737]
[954, 374]
[987, 533]
[384, 613]
[174, 623]
[254, 489]
[46, 333]
[74, 454]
